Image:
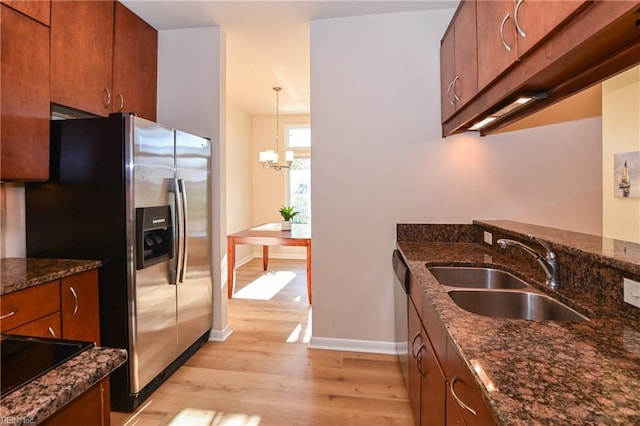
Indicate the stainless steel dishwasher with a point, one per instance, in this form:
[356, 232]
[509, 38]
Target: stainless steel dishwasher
[401, 300]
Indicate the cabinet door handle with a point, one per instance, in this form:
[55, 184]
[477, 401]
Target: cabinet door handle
[457, 399]
[453, 86]
[413, 344]
[451, 101]
[51, 332]
[10, 314]
[107, 98]
[121, 102]
[504, 42]
[75, 300]
[515, 18]
[419, 360]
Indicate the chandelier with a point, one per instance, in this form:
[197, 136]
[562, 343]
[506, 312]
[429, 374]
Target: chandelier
[269, 158]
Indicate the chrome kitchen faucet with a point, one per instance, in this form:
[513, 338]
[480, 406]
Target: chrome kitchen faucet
[549, 263]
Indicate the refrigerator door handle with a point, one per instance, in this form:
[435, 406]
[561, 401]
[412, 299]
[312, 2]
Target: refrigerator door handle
[176, 218]
[184, 229]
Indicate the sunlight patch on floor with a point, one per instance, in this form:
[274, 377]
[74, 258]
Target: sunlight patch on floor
[265, 287]
[302, 332]
[195, 417]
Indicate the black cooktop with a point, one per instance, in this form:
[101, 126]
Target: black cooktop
[26, 358]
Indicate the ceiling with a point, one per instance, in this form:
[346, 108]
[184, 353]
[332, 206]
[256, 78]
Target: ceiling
[267, 41]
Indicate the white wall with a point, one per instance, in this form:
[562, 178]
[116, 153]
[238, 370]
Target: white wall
[12, 221]
[239, 176]
[191, 77]
[621, 133]
[378, 160]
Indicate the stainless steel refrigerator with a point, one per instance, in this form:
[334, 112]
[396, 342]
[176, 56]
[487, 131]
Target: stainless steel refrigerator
[135, 195]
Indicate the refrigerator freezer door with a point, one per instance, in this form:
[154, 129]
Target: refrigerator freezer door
[193, 171]
[152, 304]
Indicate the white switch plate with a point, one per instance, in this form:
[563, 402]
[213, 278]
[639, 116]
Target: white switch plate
[632, 292]
[488, 237]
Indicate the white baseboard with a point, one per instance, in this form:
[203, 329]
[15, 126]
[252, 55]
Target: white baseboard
[220, 335]
[369, 346]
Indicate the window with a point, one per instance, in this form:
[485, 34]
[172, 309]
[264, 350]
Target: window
[298, 139]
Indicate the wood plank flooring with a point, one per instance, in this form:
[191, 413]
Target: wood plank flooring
[265, 375]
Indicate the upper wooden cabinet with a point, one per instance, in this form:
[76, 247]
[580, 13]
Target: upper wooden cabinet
[81, 55]
[508, 30]
[40, 10]
[104, 59]
[135, 65]
[555, 48]
[459, 61]
[24, 98]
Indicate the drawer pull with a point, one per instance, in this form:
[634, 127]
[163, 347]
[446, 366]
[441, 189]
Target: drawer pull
[121, 102]
[106, 99]
[75, 299]
[10, 314]
[51, 332]
[458, 400]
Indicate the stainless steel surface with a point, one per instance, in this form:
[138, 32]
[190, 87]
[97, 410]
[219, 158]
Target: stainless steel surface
[152, 305]
[549, 263]
[472, 277]
[195, 289]
[514, 304]
[401, 312]
[504, 42]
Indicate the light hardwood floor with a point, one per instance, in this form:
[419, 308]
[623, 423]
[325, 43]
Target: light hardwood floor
[264, 374]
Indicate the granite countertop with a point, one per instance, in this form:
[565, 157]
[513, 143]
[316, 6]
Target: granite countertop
[542, 372]
[20, 273]
[45, 395]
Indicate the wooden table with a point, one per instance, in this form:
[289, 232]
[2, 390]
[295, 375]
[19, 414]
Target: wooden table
[268, 234]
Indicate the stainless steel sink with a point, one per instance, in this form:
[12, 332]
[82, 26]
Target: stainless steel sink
[474, 277]
[514, 304]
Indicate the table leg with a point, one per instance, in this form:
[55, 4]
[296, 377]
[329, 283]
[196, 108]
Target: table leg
[265, 257]
[231, 264]
[309, 271]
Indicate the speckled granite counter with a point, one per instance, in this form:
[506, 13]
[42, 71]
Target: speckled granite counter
[20, 273]
[45, 395]
[544, 372]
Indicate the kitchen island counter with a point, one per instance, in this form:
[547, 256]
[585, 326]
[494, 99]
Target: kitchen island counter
[44, 396]
[536, 372]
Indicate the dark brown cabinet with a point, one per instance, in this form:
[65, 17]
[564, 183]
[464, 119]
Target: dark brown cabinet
[441, 389]
[552, 49]
[79, 307]
[135, 67]
[81, 55]
[104, 59]
[40, 10]
[426, 379]
[464, 393]
[507, 30]
[24, 99]
[459, 61]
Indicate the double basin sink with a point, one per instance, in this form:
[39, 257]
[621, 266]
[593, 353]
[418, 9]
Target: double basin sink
[498, 294]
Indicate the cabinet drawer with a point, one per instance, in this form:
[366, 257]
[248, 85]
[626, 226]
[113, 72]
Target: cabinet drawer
[48, 326]
[24, 306]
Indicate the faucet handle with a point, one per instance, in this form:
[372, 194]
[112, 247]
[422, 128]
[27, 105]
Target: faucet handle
[544, 244]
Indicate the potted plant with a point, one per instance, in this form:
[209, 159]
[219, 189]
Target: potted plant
[287, 213]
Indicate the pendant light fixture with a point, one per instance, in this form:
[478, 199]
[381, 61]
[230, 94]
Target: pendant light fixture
[269, 158]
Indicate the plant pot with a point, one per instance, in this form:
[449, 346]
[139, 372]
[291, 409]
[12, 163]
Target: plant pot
[286, 225]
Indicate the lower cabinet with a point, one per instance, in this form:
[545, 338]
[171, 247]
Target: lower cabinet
[441, 389]
[68, 309]
[86, 409]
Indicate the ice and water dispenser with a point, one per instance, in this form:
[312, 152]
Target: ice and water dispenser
[154, 235]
